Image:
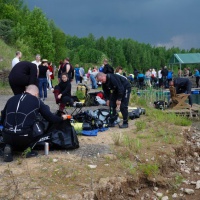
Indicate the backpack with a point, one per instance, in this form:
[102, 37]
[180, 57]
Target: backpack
[90, 99]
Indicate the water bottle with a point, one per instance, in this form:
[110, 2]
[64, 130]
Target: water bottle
[46, 148]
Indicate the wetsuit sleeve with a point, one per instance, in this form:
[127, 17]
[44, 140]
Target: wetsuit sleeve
[106, 92]
[47, 114]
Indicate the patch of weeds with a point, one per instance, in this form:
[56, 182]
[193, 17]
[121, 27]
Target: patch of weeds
[142, 136]
[149, 170]
[132, 144]
[140, 125]
[117, 138]
[178, 179]
[25, 152]
[170, 138]
[182, 121]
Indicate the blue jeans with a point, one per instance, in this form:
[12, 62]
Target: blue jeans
[93, 81]
[43, 87]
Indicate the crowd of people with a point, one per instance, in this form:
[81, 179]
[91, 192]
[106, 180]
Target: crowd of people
[160, 78]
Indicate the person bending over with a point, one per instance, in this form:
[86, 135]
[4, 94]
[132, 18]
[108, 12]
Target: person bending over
[117, 91]
[18, 117]
[182, 85]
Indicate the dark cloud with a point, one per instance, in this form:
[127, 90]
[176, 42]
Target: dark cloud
[158, 22]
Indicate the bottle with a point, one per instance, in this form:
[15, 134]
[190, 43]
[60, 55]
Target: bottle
[46, 148]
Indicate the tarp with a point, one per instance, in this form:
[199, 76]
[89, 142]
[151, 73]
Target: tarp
[185, 58]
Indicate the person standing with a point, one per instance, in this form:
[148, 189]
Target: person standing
[164, 73]
[23, 74]
[17, 58]
[117, 91]
[37, 60]
[77, 73]
[107, 68]
[197, 75]
[67, 67]
[82, 73]
[160, 82]
[42, 78]
[51, 75]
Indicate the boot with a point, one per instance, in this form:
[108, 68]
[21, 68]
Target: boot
[61, 107]
[123, 126]
[56, 93]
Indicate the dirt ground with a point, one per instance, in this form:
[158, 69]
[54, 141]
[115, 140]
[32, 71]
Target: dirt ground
[103, 169]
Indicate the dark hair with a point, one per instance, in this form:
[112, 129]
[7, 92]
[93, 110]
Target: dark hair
[64, 74]
[61, 62]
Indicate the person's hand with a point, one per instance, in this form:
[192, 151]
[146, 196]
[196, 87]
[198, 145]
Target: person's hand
[66, 117]
[107, 102]
[59, 96]
[118, 103]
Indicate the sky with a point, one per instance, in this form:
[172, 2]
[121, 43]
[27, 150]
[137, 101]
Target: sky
[157, 22]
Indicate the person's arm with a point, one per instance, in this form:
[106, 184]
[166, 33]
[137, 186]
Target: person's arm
[33, 74]
[3, 115]
[48, 115]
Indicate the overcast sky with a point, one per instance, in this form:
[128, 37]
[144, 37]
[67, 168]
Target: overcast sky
[157, 22]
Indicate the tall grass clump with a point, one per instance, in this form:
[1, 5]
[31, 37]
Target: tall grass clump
[149, 170]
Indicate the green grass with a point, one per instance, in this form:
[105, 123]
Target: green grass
[149, 170]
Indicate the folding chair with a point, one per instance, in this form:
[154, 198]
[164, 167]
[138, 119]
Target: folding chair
[178, 100]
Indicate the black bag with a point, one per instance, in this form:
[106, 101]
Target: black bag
[90, 99]
[63, 135]
[160, 104]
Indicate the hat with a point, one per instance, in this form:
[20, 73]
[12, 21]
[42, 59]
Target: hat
[44, 60]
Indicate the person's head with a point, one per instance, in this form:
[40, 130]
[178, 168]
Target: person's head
[118, 70]
[49, 63]
[101, 77]
[61, 62]
[66, 60]
[105, 61]
[38, 57]
[64, 77]
[19, 54]
[33, 90]
[77, 65]
[171, 83]
[44, 62]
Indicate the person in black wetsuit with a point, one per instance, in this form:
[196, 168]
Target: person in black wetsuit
[117, 91]
[22, 74]
[18, 118]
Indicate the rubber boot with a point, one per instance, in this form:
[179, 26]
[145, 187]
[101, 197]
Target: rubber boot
[56, 93]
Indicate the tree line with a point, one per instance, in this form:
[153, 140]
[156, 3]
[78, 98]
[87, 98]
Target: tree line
[33, 33]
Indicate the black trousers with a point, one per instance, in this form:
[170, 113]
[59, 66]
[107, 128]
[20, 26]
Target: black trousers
[197, 81]
[67, 99]
[19, 141]
[123, 106]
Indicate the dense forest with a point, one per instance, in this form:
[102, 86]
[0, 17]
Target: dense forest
[31, 32]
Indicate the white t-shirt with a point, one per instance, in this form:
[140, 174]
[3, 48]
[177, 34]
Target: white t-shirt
[159, 74]
[15, 61]
[37, 63]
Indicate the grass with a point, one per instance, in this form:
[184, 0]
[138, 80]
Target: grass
[149, 170]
